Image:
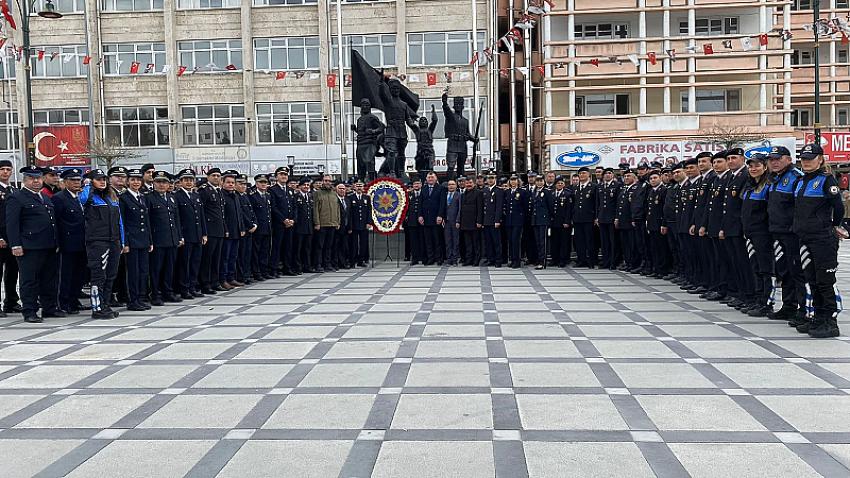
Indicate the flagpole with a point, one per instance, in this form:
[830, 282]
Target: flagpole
[476, 164]
[512, 91]
[527, 85]
[816, 10]
[343, 118]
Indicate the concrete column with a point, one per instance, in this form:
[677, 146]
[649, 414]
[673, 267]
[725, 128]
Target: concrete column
[641, 55]
[667, 64]
[172, 85]
[248, 73]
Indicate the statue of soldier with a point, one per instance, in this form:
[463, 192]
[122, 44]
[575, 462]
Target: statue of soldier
[424, 143]
[368, 129]
[457, 133]
[395, 134]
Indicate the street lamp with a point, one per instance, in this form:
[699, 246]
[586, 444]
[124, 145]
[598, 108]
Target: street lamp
[290, 163]
[50, 13]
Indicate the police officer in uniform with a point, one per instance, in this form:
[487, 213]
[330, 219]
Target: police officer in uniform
[624, 225]
[213, 201]
[71, 234]
[654, 222]
[562, 218]
[492, 204]
[244, 273]
[609, 192]
[516, 208]
[415, 234]
[31, 230]
[470, 219]
[528, 241]
[732, 233]
[261, 202]
[233, 230]
[359, 224]
[283, 220]
[8, 264]
[756, 228]
[303, 226]
[688, 256]
[702, 243]
[193, 226]
[138, 239]
[711, 225]
[166, 232]
[584, 214]
[542, 209]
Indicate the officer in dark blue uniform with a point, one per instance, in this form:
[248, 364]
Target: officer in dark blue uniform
[786, 247]
[720, 286]
[414, 236]
[261, 203]
[283, 220]
[244, 273]
[303, 225]
[234, 229]
[562, 218]
[213, 201]
[657, 243]
[137, 237]
[8, 264]
[756, 228]
[430, 219]
[669, 226]
[70, 230]
[193, 226]
[528, 243]
[493, 199]
[606, 212]
[31, 230]
[732, 233]
[166, 231]
[542, 210]
[818, 212]
[584, 214]
[516, 208]
[359, 224]
[623, 222]
[702, 242]
[688, 257]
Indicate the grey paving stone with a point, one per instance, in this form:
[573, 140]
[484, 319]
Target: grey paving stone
[451, 349]
[553, 375]
[585, 459]
[541, 349]
[346, 375]
[439, 412]
[325, 411]
[661, 375]
[435, 459]
[244, 376]
[202, 411]
[448, 375]
[25, 458]
[568, 412]
[53, 376]
[811, 413]
[302, 458]
[277, 350]
[770, 375]
[698, 413]
[144, 459]
[740, 459]
[86, 411]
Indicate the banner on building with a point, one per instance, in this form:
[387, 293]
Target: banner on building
[58, 146]
[836, 146]
[389, 204]
[611, 155]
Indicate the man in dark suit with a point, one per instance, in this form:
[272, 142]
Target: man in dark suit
[359, 224]
[166, 232]
[470, 219]
[70, 230]
[415, 235]
[493, 210]
[193, 224]
[430, 219]
[450, 204]
[606, 212]
[303, 225]
[283, 219]
[542, 209]
[249, 224]
[8, 264]
[261, 202]
[138, 238]
[584, 214]
[562, 219]
[31, 230]
[341, 259]
[213, 201]
[516, 208]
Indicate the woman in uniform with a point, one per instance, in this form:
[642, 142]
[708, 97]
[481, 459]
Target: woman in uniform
[818, 213]
[755, 228]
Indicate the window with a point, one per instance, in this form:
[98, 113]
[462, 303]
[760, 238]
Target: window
[378, 50]
[711, 26]
[602, 105]
[289, 122]
[841, 56]
[60, 117]
[841, 4]
[352, 118]
[709, 101]
[286, 53]
[594, 31]
[207, 4]
[118, 58]
[444, 48]
[131, 5]
[7, 67]
[58, 62]
[440, 132]
[9, 131]
[213, 124]
[137, 126]
[284, 2]
[802, 57]
[801, 117]
[62, 6]
[210, 55]
[843, 117]
[801, 4]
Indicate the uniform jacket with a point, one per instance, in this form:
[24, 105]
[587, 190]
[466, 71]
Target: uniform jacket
[585, 203]
[413, 208]
[640, 190]
[754, 209]
[624, 207]
[359, 212]
[606, 210]
[702, 195]
[30, 221]
[262, 205]
[671, 206]
[249, 220]
[165, 220]
[282, 204]
[491, 199]
[70, 222]
[817, 206]
[303, 213]
[213, 200]
[471, 209]
[193, 222]
[780, 200]
[134, 213]
[516, 207]
[731, 223]
[542, 207]
[655, 208]
[563, 212]
[103, 217]
[5, 192]
[714, 204]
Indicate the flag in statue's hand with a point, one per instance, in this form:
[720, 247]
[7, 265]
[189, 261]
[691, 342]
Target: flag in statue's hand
[365, 81]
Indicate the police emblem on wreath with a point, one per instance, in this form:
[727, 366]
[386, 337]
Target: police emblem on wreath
[389, 204]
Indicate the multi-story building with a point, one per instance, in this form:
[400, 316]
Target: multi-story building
[230, 107]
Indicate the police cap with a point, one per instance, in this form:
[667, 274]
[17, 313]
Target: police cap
[811, 151]
[656, 165]
[147, 167]
[281, 169]
[213, 171]
[643, 165]
[32, 171]
[117, 171]
[719, 155]
[261, 178]
[777, 152]
[503, 180]
[232, 173]
[73, 173]
[161, 176]
[608, 170]
[135, 173]
[735, 152]
[757, 157]
[624, 166]
[679, 165]
[560, 179]
[690, 162]
[242, 178]
[5, 163]
[96, 174]
[704, 154]
[304, 180]
[186, 173]
[584, 169]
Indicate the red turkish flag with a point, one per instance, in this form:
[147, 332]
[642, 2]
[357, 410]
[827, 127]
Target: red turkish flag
[432, 79]
[594, 61]
[86, 60]
[61, 145]
[8, 14]
[180, 70]
[134, 67]
[280, 75]
[541, 69]
[708, 49]
[331, 80]
[844, 39]
[653, 59]
[763, 39]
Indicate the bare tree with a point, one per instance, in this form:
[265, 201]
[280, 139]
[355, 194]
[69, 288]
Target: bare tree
[106, 154]
[732, 136]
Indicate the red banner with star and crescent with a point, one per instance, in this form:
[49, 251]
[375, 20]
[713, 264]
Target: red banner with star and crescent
[61, 145]
[389, 204]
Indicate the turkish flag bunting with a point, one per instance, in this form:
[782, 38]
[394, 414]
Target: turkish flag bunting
[86, 60]
[180, 70]
[2, 42]
[541, 69]
[844, 39]
[231, 67]
[763, 39]
[594, 61]
[61, 145]
[652, 58]
[474, 58]
[40, 55]
[8, 15]
[134, 67]
[331, 80]
[708, 49]
[149, 67]
[432, 78]
[347, 80]
[280, 75]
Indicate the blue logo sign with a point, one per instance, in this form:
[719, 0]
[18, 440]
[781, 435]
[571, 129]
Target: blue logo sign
[763, 148]
[578, 158]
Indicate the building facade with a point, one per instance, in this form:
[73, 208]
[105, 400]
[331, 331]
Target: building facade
[235, 83]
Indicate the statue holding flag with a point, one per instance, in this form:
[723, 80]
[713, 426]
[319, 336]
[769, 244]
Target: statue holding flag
[395, 135]
[457, 133]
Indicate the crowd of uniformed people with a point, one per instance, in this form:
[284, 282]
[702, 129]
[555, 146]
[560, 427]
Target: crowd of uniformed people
[722, 226]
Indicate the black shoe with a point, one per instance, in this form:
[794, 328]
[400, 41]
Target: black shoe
[147, 305]
[101, 315]
[196, 294]
[33, 319]
[825, 329]
[784, 314]
[698, 291]
[207, 292]
[760, 311]
[498, 265]
[515, 265]
[726, 300]
[137, 307]
[13, 309]
[54, 314]
[157, 302]
[187, 296]
[72, 311]
[171, 298]
[717, 297]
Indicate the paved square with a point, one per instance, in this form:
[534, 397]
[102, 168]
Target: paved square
[426, 372]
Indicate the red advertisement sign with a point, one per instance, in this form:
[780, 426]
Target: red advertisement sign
[61, 145]
[836, 146]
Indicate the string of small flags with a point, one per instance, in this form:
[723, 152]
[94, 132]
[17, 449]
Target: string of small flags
[526, 20]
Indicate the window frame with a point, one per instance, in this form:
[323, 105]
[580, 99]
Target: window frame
[602, 98]
[184, 5]
[284, 3]
[309, 119]
[311, 53]
[234, 55]
[423, 41]
[381, 37]
[111, 6]
[9, 131]
[40, 71]
[135, 122]
[722, 22]
[728, 94]
[110, 57]
[197, 124]
[579, 30]
[38, 6]
[82, 114]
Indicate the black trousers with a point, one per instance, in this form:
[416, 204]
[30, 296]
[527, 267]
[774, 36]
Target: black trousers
[789, 269]
[528, 243]
[673, 264]
[188, 265]
[740, 272]
[560, 245]
[71, 278]
[416, 238]
[493, 245]
[644, 259]
[119, 287]
[138, 272]
[261, 255]
[103, 266]
[585, 249]
[323, 253]
[540, 241]
[39, 281]
[471, 240]
[660, 252]
[243, 265]
[281, 249]
[162, 271]
[341, 240]
[514, 243]
[303, 245]
[719, 264]
[431, 236]
[819, 257]
[760, 253]
[607, 241]
[627, 241]
[359, 246]
[687, 257]
[706, 272]
[210, 259]
[9, 273]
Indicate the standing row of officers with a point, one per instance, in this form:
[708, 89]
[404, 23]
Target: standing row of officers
[143, 238]
[722, 226]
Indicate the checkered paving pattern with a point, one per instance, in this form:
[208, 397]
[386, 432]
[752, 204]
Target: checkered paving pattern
[426, 372]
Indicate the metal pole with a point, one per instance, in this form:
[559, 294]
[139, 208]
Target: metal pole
[29, 147]
[512, 101]
[816, 8]
[476, 164]
[343, 118]
[529, 105]
[90, 80]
